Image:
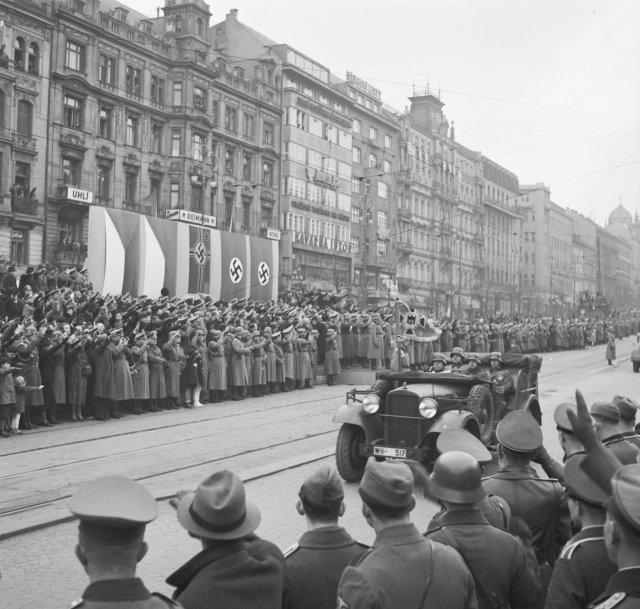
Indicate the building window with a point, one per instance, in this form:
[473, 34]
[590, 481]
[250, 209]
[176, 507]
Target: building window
[231, 120]
[381, 247]
[158, 86]
[356, 154]
[215, 113]
[133, 81]
[247, 166]
[355, 245]
[230, 160]
[199, 27]
[197, 147]
[18, 54]
[25, 117]
[387, 166]
[3, 101]
[19, 246]
[383, 190]
[178, 24]
[74, 56]
[199, 98]
[176, 142]
[174, 195]
[197, 198]
[331, 134]
[107, 70]
[382, 219]
[71, 171]
[268, 134]
[33, 58]
[130, 186]
[177, 94]
[357, 126]
[104, 183]
[72, 112]
[157, 131]
[373, 134]
[372, 161]
[246, 214]
[105, 122]
[131, 131]
[387, 140]
[248, 122]
[356, 214]
[356, 184]
[228, 211]
[267, 173]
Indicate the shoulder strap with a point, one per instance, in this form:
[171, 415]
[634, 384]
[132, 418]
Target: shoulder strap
[290, 550]
[570, 548]
[166, 600]
[429, 575]
[611, 602]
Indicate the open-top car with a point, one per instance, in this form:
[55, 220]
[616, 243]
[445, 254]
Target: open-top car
[403, 413]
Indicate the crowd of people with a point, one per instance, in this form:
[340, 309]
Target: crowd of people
[67, 352]
[512, 539]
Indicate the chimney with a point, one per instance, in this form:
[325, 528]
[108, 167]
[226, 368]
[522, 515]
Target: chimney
[233, 14]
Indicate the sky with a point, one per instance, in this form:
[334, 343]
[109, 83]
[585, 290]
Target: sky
[549, 89]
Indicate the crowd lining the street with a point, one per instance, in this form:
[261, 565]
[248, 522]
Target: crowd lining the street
[67, 352]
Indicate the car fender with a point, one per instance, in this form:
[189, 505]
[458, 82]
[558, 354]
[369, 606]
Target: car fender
[453, 419]
[371, 423]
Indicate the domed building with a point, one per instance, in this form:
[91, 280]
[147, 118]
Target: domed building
[620, 216]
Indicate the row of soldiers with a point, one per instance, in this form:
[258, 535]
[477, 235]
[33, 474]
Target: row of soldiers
[511, 539]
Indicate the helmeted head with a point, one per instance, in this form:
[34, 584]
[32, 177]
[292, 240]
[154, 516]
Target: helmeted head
[457, 478]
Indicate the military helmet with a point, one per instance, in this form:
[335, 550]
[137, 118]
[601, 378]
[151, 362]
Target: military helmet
[473, 357]
[495, 355]
[456, 478]
[439, 357]
[457, 351]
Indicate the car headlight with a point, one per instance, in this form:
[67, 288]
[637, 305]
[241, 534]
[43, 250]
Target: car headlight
[428, 408]
[371, 404]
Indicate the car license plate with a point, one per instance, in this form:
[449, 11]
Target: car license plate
[383, 451]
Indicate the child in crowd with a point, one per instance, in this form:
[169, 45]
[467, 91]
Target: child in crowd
[21, 391]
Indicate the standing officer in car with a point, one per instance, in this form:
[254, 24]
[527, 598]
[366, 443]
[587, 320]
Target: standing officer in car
[502, 384]
[113, 513]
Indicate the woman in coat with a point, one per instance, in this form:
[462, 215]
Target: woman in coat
[122, 375]
[331, 359]
[79, 370]
[610, 354]
[140, 379]
[304, 359]
[217, 379]
[157, 362]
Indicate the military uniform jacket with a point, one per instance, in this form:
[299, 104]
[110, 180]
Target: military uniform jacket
[121, 594]
[496, 559]
[622, 592]
[540, 502]
[581, 572]
[625, 451]
[403, 570]
[314, 566]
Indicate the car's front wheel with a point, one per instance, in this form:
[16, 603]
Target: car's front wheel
[480, 403]
[350, 462]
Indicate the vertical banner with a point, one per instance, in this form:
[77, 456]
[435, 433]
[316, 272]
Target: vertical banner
[233, 266]
[151, 264]
[262, 269]
[199, 260]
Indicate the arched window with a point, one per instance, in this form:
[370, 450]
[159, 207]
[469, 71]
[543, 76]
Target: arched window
[25, 117]
[200, 27]
[18, 53]
[33, 58]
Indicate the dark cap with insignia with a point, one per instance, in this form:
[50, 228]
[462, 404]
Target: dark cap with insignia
[581, 486]
[323, 487]
[605, 410]
[519, 432]
[387, 485]
[624, 503]
[461, 440]
[561, 417]
[627, 408]
[113, 510]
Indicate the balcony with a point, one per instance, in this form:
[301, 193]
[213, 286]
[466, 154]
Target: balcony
[404, 247]
[25, 143]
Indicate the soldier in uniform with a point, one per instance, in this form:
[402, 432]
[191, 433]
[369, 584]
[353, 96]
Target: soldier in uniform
[622, 538]
[314, 564]
[457, 360]
[438, 363]
[217, 380]
[540, 502]
[238, 365]
[607, 425]
[140, 379]
[497, 560]
[403, 569]
[502, 384]
[113, 514]
[583, 568]
[157, 387]
[627, 409]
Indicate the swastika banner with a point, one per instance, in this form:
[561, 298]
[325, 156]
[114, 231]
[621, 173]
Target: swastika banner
[139, 254]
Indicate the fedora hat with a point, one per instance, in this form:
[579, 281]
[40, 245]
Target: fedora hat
[218, 509]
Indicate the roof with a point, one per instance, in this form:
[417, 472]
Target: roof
[620, 216]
